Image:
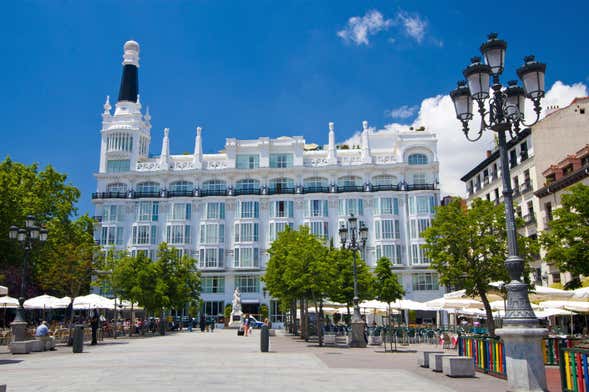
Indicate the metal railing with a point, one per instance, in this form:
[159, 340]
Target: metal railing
[488, 354]
[574, 373]
[109, 195]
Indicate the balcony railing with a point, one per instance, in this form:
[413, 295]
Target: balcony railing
[350, 188]
[421, 187]
[246, 191]
[281, 191]
[213, 192]
[180, 193]
[109, 195]
[139, 195]
[388, 187]
[316, 189]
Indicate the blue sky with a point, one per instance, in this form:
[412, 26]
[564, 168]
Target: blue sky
[253, 68]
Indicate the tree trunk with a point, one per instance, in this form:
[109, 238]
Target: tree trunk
[320, 323]
[489, 312]
[293, 317]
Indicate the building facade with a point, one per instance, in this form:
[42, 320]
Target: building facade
[225, 209]
[530, 153]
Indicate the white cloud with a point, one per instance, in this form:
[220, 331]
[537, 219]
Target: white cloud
[413, 25]
[403, 111]
[359, 28]
[455, 154]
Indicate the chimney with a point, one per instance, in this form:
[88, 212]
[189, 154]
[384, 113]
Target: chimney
[130, 80]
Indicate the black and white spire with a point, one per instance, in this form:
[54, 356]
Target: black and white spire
[130, 80]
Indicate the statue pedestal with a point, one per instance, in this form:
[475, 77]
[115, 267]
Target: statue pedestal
[524, 358]
[18, 329]
[235, 320]
[358, 334]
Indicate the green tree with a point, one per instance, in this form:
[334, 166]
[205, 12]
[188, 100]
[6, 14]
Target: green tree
[567, 241]
[468, 248]
[25, 190]
[342, 287]
[387, 287]
[181, 280]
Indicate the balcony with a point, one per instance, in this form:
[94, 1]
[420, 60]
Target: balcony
[350, 188]
[526, 187]
[213, 192]
[316, 189]
[529, 219]
[421, 187]
[281, 191]
[109, 195]
[247, 191]
[180, 193]
[391, 187]
[143, 194]
[516, 192]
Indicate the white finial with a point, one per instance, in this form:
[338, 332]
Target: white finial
[331, 127]
[198, 131]
[197, 157]
[331, 153]
[107, 106]
[147, 115]
[164, 162]
[166, 132]
[365, 154]
[131, 53]
[139, 101]
[365, 125]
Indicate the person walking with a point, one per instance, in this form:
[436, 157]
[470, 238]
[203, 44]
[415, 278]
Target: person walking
[94, 325]
[202, 322]
[246, 323]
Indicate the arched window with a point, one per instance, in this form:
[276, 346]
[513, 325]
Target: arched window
[349, 181]
[214, 185]
[282, 184]
[315, 182]
[148, 187]
[417, 159]
[384, 180]
[116, 187]
[247, 184]
[181, 186]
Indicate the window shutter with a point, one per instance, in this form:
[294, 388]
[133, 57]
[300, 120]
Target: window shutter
[396, 206]
[360, 207]
[256, 231]
[273, 209]
[222, 233]
[119, 236]
[187, 234]
[168, 229]
[134, 234]
[236, 257]
[188, 211]
[236, 237]
[256, 210]
[290, 209]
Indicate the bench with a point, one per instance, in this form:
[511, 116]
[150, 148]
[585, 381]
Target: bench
[21, 347]
[329, 339]
[435, 361]
[423, 357]
[458, 366]
[37, 346]
[375, 340]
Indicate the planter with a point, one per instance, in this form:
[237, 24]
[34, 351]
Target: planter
[375, 340]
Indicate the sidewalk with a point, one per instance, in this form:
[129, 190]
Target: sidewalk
[222, 361]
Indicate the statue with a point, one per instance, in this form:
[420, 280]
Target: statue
[236, 314]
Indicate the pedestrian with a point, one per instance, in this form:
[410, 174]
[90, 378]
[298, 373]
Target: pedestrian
[246, 322]
[94, 325]
[202, 322]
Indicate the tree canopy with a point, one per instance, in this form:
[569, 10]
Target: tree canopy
[468, 248]
[387, 287]
[567, 241]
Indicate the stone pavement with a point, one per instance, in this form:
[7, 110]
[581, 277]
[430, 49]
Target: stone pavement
[222, 361]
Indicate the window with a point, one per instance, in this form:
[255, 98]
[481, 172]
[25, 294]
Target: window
[424, 281]
[118, 165]
[178, 234]
[148, 187]
[516, 184]
[387, 229]
[315, 182]
[244, 161]
[181, 211]
[418, 255]
[319, 229]
[417, 159]
[181, 186]
[417, 226]
[523, 151]
[111, 235]
[276, 228]
[214, 186]
[512, 158]
[422, 205]
[383, 180]
[247, 184]
[213, 284]
[144, 235]
[281, 209]
[211, 257]
[281, 184]
[387, 206]
[280, 160]
[276, 316]
[246, 232]
[212, 233]
[548, 208]
[116, 187]
[249, 209]
[348, 207]
[112, 213]
[419, 178]
[317, 208]
[392, 252]
[349, 181]
[215, 210]
[147, 211]
[213, 308]
[246, 257]
[247, 284]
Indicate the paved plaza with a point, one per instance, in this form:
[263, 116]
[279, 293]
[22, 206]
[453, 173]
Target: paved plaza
[222, 361]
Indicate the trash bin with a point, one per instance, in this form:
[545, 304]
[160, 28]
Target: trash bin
[78, 343]
[264, 339]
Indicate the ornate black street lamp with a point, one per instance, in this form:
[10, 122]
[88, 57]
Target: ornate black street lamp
[356, 234]
[502, 111]
[26, 237]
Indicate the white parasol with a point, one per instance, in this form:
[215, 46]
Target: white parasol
[46, 302]
[3, 290]
[8, 302]
[92, 301]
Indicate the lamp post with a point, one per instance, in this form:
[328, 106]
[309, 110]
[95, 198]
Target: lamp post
[357, 241]
[26, 237]
[502, 112]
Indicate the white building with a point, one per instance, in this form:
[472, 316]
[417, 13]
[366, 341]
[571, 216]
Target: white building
[226, 208]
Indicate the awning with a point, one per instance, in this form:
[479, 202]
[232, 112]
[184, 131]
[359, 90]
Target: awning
[250, 301]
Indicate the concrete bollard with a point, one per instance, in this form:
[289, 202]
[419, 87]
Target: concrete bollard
[78, 343]
[264, 339]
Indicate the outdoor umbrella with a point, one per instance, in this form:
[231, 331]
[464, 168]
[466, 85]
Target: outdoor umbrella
[3, 290]
[581, 294]
[543, 293]
[453, 303]
[8, 302]
[42, 302]
[92, 301]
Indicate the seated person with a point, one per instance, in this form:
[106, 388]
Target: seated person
[42, 333]
[42, 329]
